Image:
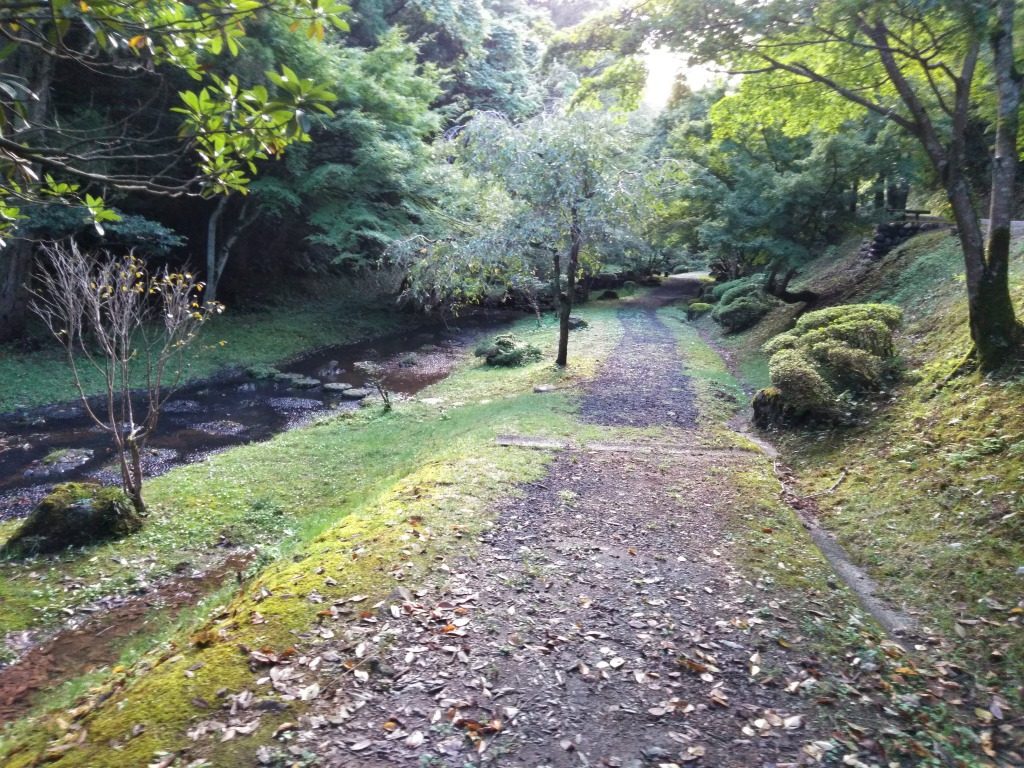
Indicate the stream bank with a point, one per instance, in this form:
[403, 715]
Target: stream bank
[42, 446]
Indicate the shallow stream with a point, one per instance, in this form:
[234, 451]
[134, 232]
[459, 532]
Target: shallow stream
[59, 443]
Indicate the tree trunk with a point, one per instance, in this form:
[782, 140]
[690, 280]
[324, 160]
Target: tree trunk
[17, 257]
[15, 271]
[879, 191]
[210, 292]
[565, 298]
[131, 472]
[780, 289]
[994, 328]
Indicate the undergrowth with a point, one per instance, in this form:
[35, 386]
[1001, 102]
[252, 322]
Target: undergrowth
[926, 491]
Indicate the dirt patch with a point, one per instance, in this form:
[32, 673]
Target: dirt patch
[98, 640]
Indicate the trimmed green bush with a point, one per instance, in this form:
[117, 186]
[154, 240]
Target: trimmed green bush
[738, 314]
[698, 308]
[835, 352]
[508, 350]
[753, 282]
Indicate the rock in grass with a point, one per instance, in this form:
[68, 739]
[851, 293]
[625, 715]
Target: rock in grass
[355, 393]
[75, 514]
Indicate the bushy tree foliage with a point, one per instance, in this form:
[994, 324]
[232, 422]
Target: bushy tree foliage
[559, 187]
[168, 121]
[358, 186]
[929, 69]
[749, 195]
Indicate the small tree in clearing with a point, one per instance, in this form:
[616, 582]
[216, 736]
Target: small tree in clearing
[133, 327]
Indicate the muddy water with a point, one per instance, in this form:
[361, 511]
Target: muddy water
[45, 446]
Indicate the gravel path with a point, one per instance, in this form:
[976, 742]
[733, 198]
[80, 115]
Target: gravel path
[643, 384]
[600, 623]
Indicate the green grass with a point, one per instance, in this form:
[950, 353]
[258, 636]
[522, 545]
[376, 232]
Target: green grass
[340, 314]
[932, 502]
[310, 495]
[354, 504]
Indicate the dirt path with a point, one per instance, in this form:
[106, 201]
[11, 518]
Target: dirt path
[602, 621]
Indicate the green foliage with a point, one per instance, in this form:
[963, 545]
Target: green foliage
[225, 125]
[696, 309]
[845, 349]
[509, 351]
[516, 190]
[740, 303]
[718, 290]
[366, 177]
[864, 326]
[742, 312]
[747, 194]
[726, 293]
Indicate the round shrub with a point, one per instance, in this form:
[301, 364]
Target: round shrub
[508, 350]
[753, 282]
[741, 291]
[884, 313]
[698, 308]
[741, 313]
[845, 350]
[803, 387]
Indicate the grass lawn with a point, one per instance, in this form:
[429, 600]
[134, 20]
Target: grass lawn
[338, 314]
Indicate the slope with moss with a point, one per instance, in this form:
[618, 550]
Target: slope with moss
[928, 491]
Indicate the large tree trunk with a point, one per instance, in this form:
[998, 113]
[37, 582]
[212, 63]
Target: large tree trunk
[565, 298]
[994, 328]
[15, 271]
[780, 288]
[16, 258]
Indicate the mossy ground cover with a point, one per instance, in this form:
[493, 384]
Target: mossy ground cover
[931, 500]
[340, 314]
[368, 504]
[337, 508]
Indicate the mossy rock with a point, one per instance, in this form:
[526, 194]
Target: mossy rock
[608, 295]
[508, 350]
[696, 309]
[75, 514]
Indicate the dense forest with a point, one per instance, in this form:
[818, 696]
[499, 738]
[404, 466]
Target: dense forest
[272, 141]
[511, 382]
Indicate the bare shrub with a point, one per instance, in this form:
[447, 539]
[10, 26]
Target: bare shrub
[132, 327]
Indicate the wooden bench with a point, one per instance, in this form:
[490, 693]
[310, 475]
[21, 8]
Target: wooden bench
[917, 213]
